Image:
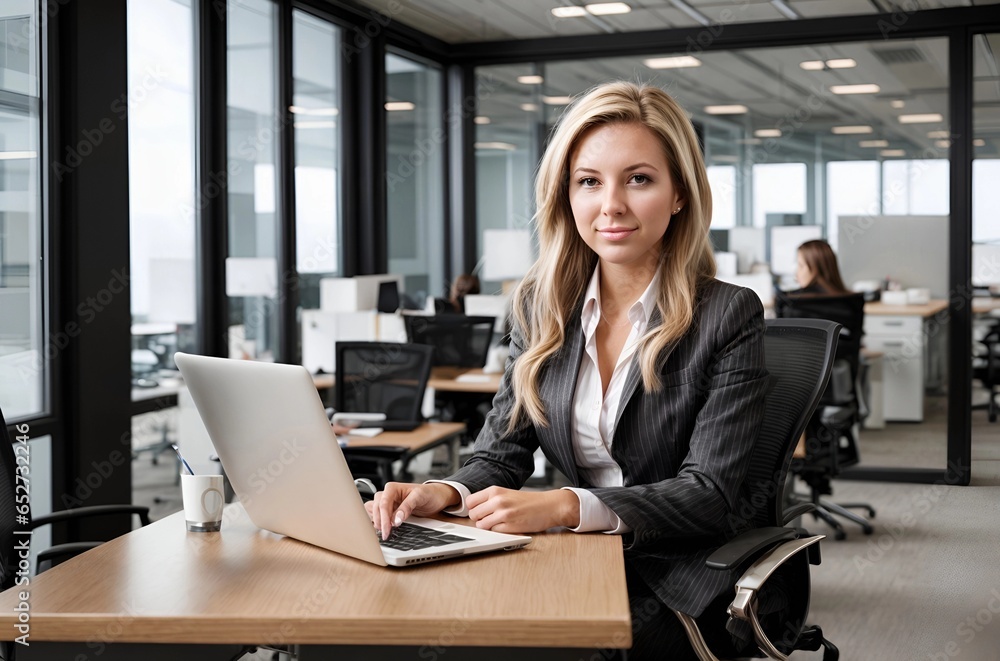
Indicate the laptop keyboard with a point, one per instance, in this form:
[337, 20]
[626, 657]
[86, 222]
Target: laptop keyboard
[410, 537]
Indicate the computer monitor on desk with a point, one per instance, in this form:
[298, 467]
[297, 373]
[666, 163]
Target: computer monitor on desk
[458, 340]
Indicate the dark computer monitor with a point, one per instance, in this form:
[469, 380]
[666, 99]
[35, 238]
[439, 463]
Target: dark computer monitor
[458, 340]
[388, 296]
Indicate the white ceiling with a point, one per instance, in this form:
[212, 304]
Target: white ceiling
[457, 21]
[768, 81]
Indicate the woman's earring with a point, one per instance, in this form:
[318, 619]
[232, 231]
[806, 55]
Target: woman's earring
[677, 211]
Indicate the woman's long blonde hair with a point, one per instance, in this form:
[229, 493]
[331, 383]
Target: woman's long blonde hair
[552, 288]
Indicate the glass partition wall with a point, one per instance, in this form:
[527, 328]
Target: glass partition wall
[415, 145]
[986, 245]
[848, 142]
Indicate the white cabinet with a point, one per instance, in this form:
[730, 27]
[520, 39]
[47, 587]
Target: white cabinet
[902, 341]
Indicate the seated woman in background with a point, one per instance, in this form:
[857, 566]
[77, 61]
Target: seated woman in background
[464, 285]
[817, 271]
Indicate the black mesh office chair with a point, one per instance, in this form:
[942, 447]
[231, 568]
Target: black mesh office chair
[986, 368]
[831, 443]
[798, 355]
[381, 377]
[458, 340]
[16, 521]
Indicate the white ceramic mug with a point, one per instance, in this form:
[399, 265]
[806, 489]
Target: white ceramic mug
[203, 502]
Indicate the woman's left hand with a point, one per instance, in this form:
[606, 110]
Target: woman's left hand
[510, 511]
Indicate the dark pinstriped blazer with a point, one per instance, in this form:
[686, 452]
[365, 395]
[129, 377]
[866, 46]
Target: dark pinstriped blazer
[684, 451]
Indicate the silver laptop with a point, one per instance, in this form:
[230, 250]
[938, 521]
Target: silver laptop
[279, 451]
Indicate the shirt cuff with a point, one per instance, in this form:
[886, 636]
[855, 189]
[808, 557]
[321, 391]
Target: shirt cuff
[461, 509]
[595, 516]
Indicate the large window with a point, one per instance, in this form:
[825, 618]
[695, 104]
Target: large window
[316, 108]
[778, 189]
[852, 189]
[251, 264]
[415, 174]
[162, 207]
[24, 354]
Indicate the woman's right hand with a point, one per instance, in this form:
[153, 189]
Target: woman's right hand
[399, 500]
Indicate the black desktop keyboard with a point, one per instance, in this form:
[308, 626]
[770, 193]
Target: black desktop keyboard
[410, 537]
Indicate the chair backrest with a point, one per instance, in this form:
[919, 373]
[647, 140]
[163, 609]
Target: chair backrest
[458, 340]
[382, 377]
[9, 524]
[848, 310]
[798, 354]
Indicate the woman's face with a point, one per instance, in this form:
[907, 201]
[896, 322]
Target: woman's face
[803, 274]
[621, 193]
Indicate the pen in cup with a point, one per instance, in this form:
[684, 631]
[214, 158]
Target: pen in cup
[177, 450]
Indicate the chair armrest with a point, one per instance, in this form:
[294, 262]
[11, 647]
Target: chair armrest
[741, 548]
[796, 511]
[65, 550]
[744, 606]
[93, 510]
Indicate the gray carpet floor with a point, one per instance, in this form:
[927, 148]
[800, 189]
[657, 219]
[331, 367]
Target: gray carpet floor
[924, 587]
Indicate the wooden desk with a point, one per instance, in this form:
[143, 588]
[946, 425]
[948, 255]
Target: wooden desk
[445, 379]
[924, 311]
[146, 594]
[425, 437]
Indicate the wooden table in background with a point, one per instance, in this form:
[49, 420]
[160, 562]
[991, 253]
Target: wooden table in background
[162, 593]
[425, 437]
[447, 379]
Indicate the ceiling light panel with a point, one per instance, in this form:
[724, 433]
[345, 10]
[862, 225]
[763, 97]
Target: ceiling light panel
[925, 118]
[608, 8]
[865, 88]
[851, 130]
[733, 109]
[568, 12]
[680, 62]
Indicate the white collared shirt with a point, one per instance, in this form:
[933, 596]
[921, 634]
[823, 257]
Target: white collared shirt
[595, 412]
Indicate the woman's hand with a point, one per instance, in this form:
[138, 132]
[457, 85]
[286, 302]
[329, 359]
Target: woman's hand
[506, 510]
[399, 500]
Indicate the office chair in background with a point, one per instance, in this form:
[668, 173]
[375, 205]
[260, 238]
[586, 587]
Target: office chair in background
[381, 377]
[831, 443]
[798, 355]
[986, 367]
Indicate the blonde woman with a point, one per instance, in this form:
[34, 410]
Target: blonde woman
[639, 375]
